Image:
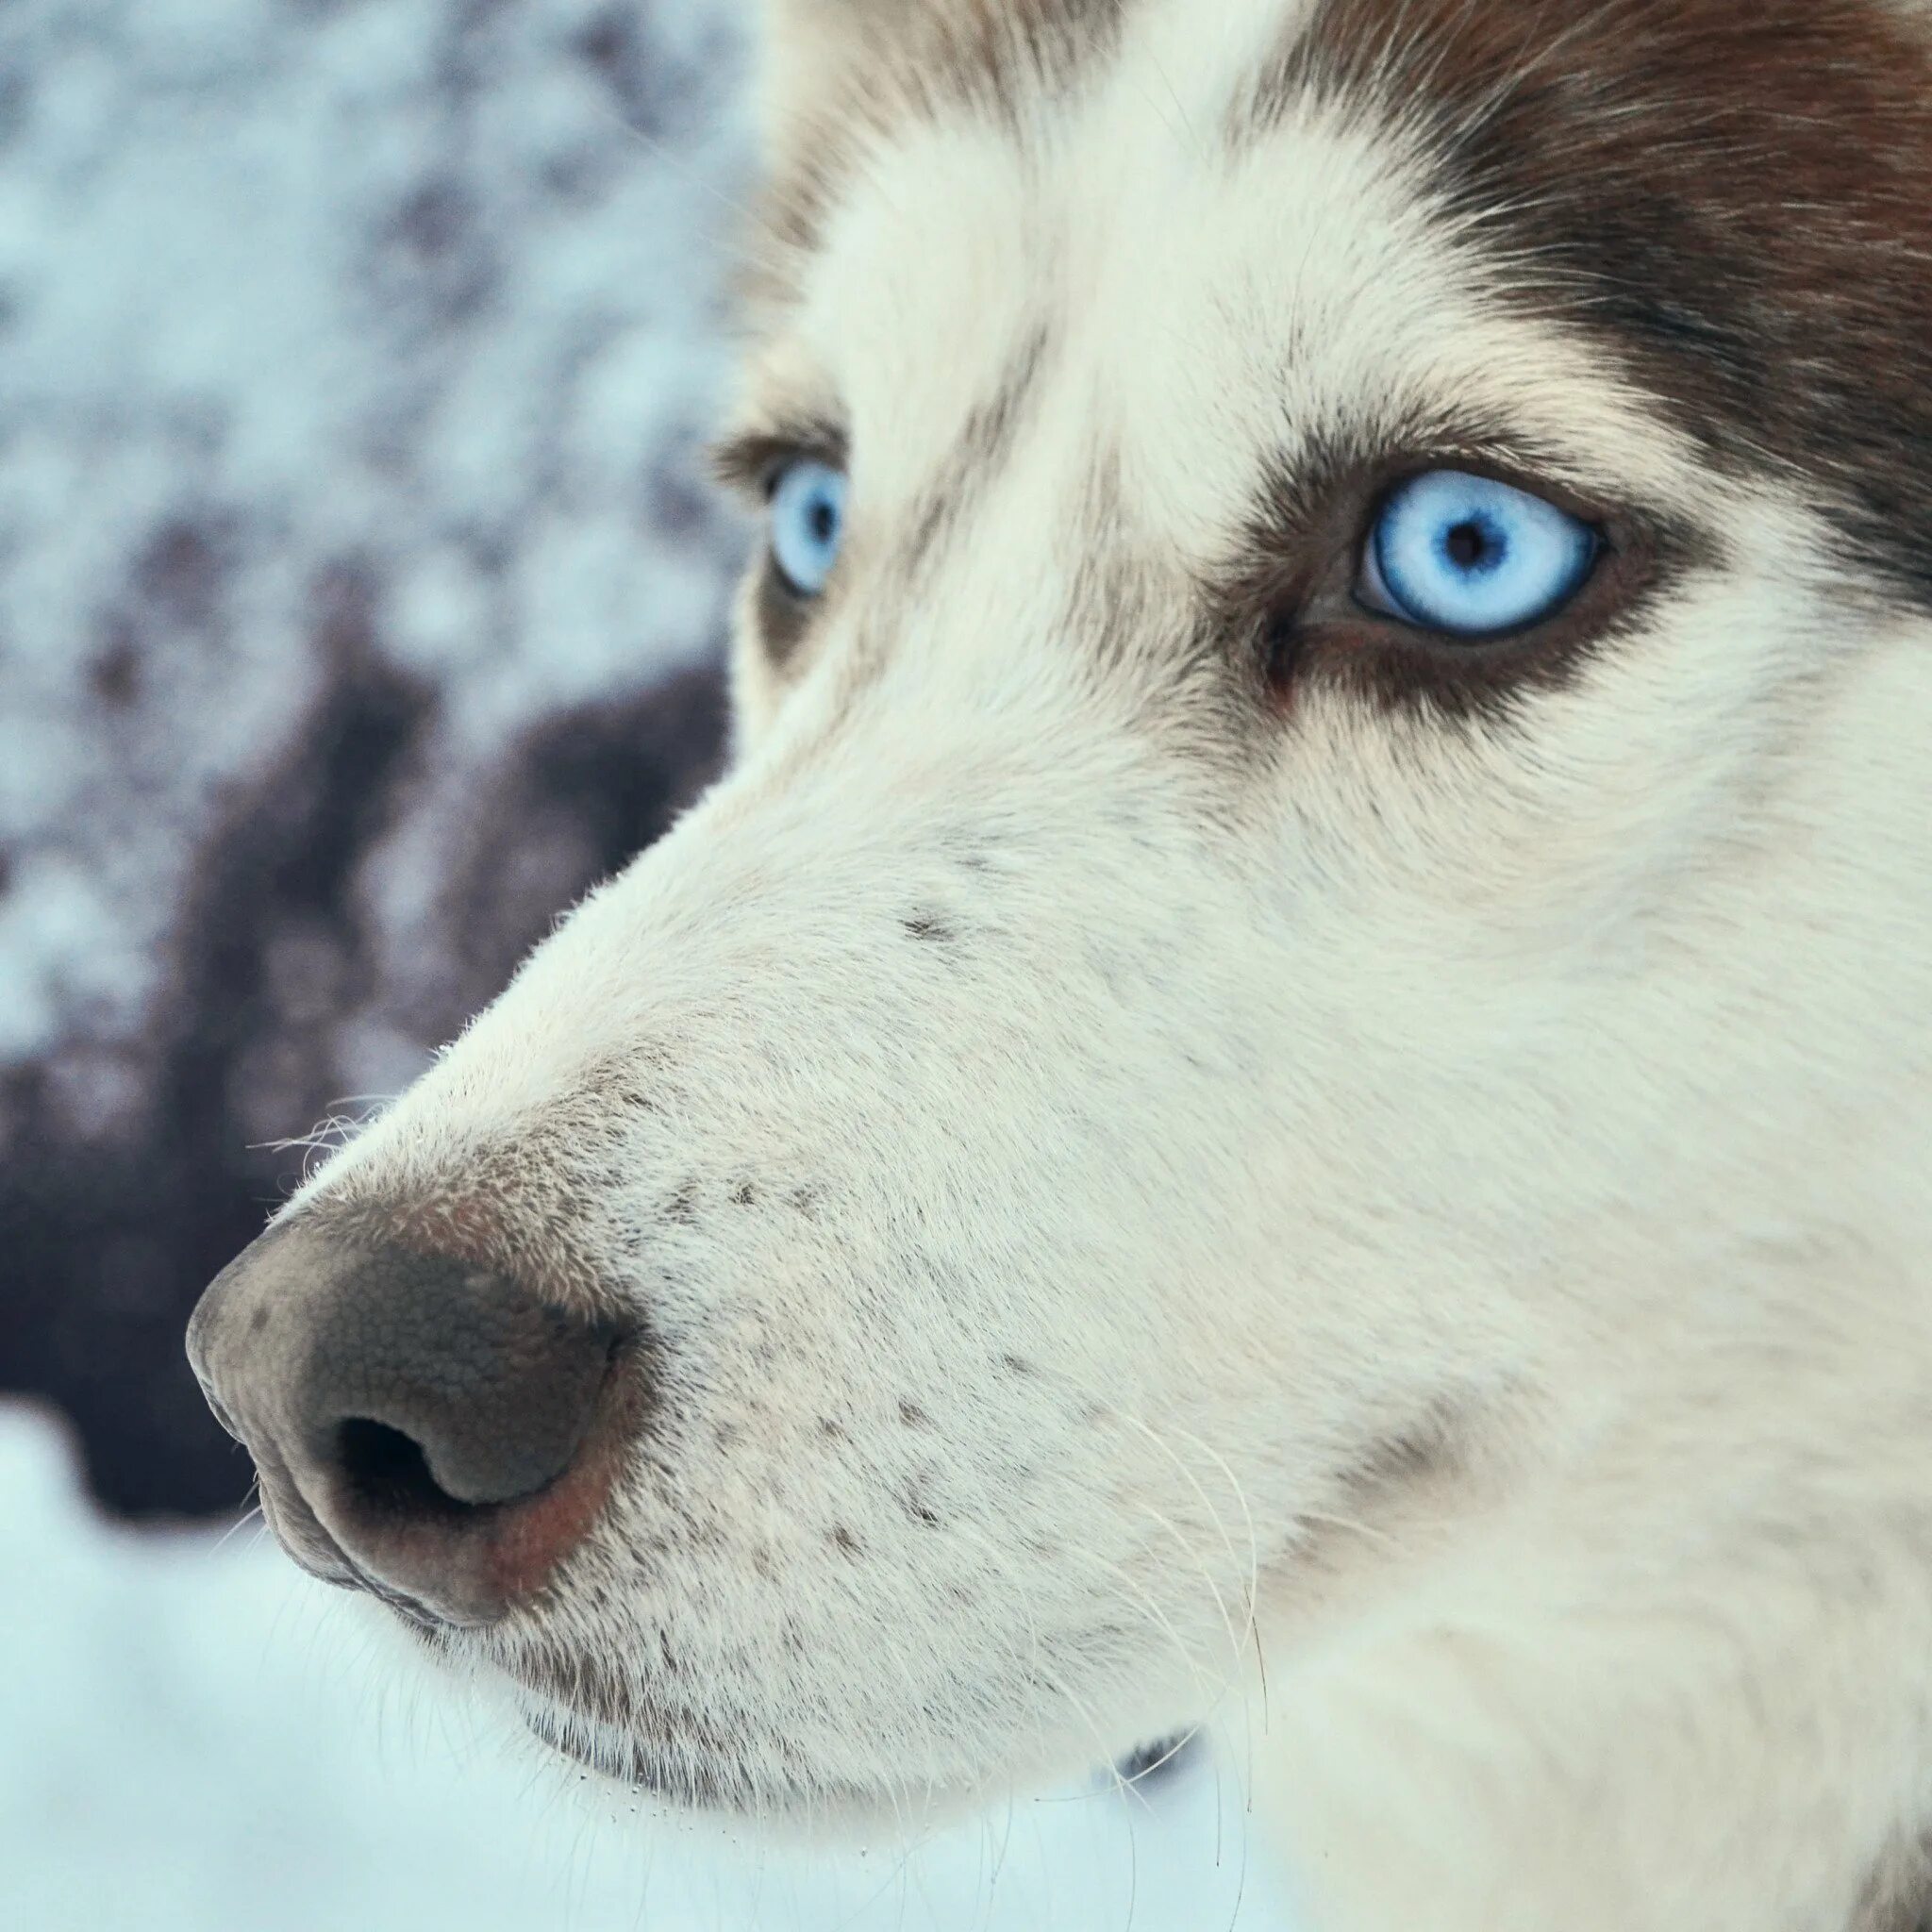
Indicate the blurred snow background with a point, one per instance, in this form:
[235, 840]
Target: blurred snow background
[359, 593]
[360, 600]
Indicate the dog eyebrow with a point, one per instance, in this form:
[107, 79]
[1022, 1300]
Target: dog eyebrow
[1301, 480]
[745, 460]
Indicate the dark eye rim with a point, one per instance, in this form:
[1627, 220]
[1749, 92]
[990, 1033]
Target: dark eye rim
[782, 617]
[1294, 592]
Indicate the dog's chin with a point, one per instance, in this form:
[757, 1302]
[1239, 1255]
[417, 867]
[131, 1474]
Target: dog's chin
[696, 1765]
[688, 1765]
[706, 1775]
[659, 1766]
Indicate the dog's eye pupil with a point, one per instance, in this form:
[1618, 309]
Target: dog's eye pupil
[1467, 545]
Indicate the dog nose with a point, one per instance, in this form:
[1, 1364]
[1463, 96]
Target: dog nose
[423, 1428]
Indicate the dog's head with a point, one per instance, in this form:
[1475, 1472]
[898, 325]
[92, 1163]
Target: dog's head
[1329, 815]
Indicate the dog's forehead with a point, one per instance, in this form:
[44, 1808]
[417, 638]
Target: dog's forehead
[1159, 301]
[1727, 206]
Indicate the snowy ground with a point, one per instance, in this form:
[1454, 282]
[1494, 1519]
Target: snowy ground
[195, 1738]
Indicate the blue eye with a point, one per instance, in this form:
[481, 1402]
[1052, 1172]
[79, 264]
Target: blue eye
[807, 524]
[1472, 557]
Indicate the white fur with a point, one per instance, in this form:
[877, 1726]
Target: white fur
[1561, 1091]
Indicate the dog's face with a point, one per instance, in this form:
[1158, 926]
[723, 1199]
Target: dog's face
[1330, 745]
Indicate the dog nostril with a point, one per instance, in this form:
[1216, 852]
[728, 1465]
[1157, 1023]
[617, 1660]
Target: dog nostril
[386, 1473]
[492, 1391]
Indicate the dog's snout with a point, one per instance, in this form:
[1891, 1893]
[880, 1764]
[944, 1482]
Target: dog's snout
[424, 1427]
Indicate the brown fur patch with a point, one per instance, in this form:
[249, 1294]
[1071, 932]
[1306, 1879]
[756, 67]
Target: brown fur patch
[1733, 196]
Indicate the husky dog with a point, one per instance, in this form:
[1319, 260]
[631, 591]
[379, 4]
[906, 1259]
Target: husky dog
[1292, 1074]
